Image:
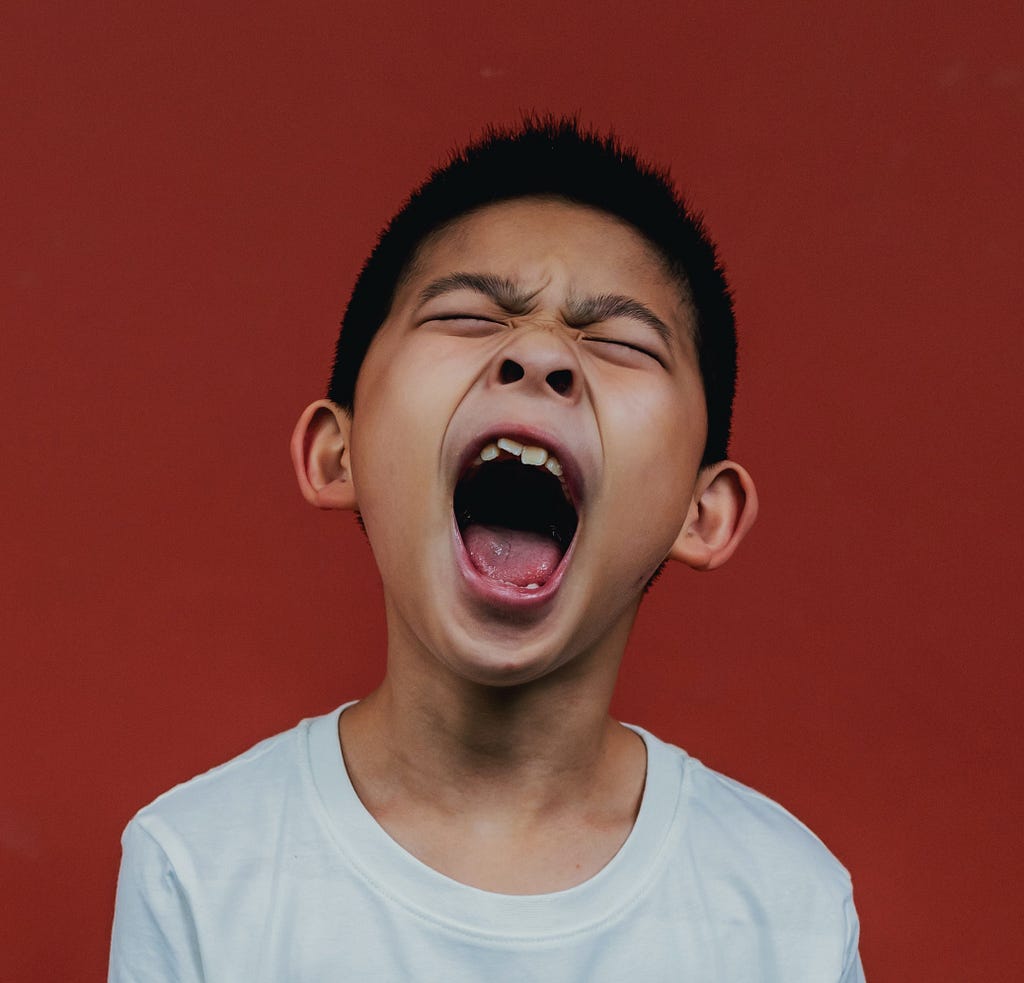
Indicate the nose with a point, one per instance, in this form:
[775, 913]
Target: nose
[537, 360]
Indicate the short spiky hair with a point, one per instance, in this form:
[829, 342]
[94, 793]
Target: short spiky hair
[554, 157]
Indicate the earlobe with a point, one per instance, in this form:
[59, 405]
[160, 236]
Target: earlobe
[723, 509]
[320, 455]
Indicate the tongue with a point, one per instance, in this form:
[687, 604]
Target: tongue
[516, 556]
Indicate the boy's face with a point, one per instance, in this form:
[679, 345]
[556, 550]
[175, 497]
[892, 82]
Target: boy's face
[555, 326]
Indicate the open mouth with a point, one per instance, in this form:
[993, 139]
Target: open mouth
[515, 514]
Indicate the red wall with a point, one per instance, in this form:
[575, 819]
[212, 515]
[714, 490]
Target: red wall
[189, 194]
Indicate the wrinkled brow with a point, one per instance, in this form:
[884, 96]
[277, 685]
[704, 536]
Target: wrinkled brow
[507, 294]
[581, 311]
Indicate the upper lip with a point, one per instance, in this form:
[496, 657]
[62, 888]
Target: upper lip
[572, 471]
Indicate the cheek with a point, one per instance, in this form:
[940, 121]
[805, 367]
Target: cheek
[380, 435]
[415, 372]
[657, 423]
[654, 444]
[402, 409]
[392, 394]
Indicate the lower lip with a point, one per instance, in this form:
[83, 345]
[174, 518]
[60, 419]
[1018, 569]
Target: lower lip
[498, 592]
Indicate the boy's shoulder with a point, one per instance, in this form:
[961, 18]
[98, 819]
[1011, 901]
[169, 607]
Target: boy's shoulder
[746, 837]
[218, 803]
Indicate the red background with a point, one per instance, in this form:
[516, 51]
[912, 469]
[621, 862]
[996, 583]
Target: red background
[190, 190]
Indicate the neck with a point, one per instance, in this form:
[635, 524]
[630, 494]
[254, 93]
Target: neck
[430, 736]
[521, 789]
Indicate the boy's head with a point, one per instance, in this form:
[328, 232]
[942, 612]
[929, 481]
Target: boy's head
[555, 158]
[530, 406]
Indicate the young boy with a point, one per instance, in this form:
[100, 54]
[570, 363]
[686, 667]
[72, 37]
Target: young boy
[530, 411]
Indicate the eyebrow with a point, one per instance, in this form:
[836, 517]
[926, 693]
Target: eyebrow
[589, 310]
[506, 293]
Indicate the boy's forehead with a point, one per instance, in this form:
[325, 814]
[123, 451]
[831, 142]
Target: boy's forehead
[525, 233]
[534, 240]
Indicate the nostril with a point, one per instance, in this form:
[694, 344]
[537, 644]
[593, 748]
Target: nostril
[560, 381]
[510, 371]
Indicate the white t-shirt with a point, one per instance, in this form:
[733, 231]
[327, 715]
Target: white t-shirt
[269, 868]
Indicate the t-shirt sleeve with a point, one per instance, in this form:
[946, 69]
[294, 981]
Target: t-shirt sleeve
[855, 974]
[154, 937]
[853, 971]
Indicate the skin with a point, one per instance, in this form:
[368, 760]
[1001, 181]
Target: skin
[488, 752]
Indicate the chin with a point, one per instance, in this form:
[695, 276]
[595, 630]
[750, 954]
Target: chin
[507, 663]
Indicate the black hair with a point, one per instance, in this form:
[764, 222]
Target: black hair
[555, 157]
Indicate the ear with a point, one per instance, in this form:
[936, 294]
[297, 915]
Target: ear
[722, 510]
[320, 454]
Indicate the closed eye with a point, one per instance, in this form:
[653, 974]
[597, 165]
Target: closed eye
[467, 325]
[630, 346]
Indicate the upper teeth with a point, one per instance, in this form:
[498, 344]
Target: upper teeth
[526, 453]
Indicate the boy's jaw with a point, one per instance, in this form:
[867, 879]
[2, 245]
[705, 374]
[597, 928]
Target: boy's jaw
[518, 496]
